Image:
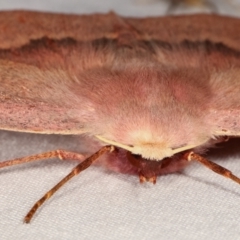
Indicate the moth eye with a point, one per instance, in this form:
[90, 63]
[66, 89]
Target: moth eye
[137, 156]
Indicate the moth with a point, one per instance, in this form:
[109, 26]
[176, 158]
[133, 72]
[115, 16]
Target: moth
[151, 94]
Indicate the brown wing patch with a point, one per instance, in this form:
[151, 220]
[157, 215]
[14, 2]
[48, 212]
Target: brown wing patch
[197, 27]
[27, 25]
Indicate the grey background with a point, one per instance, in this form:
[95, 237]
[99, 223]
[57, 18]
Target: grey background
[98, 204]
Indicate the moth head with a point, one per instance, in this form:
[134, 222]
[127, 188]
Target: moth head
[152, 112]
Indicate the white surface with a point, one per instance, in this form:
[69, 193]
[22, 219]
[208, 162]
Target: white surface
[196, 204]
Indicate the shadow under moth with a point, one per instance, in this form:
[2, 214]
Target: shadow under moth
[151, 94]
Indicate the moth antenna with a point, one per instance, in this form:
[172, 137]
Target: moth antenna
[213, 166]
[75, 171]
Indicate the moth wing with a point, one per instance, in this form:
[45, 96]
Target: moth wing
[32, 84]
[36, 100]
[224, 110]
[30, 25]
[42, 64]
[193, 28]
[210, 43]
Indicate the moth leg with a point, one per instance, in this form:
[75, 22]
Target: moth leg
[213, 166]
[75, 171]
[61, 154]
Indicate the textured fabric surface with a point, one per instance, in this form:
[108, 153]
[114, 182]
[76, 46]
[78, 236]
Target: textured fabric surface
[196, 204]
